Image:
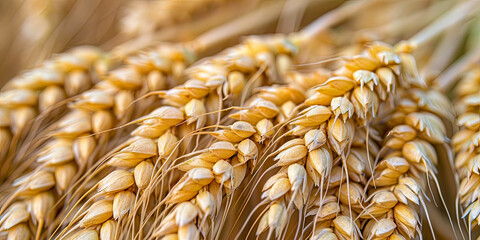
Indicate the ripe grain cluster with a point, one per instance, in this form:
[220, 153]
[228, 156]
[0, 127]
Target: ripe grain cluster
[328, 132]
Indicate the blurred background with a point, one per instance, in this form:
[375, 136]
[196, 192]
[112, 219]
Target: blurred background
[33, 30]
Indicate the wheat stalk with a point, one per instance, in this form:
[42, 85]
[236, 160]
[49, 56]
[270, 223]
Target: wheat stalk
[466, 145]
[97, 102]
[72, 144]
[39, 91]
[221, 73]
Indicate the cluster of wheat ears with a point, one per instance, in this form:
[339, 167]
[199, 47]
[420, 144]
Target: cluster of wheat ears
[249, 119]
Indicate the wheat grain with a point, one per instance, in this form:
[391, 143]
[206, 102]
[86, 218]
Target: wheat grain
[466, 145]
[333, 125]
[37, 91]
[349, 148]
[409, 160]
[194, 91]
[71, 146]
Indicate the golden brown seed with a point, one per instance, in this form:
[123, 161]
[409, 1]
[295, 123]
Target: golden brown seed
[223, 149]
[143, 173]
[429, 125]
[64, 175]
[201, 176]
[58, 151]
[236, 82]
[264, 129]
[263, 224]
[314, 116]
[367, 78]
[19, 232]
[320, 162]
[279, 189]
[126, 78]
[199, 89]
[18, 97]
[365, 101]
[196, 162]
[266, 108]
[98, 213]
[195, 110]
[325, 234]
[37, 182]
[76, 82]
[42, 206]
[243, 129]
[74, 124]
[167, 226]
[188, 232]
[344, 227]
[341, 106]
[381, 229]
[315, 139]
[470, 120]
[17, 213]
[122, 101]
[297, 176]
[206, 202]
[338, 130]
[248, 150]
[163, 116]
[186, 212]
[116, 181]
[410, 72]
[122, 203]
[404, 132]
[319, 99]
[107, 231]
[166, 144]
[83, 147]
[49, 97]
[291, 155]
[87, 234]
[142, 147]
[336, 86]
[277, 217]
[239, 172]
[419, 150]
[273, 179]
[351, 194]
[223, 171]
[406, 219]
[156, 80]
[21, 117]
[362, 62]
[94, 99]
